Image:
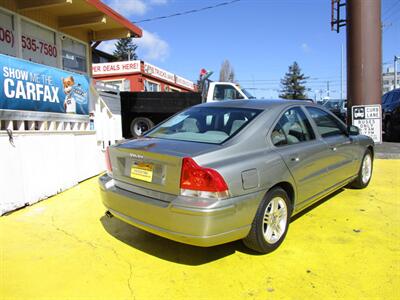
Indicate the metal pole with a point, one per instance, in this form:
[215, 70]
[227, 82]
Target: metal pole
[364, 52]
[395, 71]
[342, 75]
[327, 89]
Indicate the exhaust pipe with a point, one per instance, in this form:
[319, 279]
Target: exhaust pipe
[108, 214]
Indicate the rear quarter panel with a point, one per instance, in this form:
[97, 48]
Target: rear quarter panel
[247, 162]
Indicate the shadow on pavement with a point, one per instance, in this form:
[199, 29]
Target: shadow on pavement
[178, 252]
[316, 204]
[168, 249]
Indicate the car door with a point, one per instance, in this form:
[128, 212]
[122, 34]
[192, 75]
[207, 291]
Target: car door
[395, 110]
[293, 138]
[342, 153]
[226, 92]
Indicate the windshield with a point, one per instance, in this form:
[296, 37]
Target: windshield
[248, 94]
[204, 124]
[333, 104]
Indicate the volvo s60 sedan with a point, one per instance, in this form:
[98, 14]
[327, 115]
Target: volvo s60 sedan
[230, 170]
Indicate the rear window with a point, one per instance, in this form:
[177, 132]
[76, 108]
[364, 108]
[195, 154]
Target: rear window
[205, 124]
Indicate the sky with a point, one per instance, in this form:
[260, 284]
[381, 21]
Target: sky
[260, 38]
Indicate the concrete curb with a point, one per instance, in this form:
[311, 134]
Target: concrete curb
[387, 150]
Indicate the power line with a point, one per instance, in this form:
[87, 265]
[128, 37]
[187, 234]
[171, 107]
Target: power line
[324, 78]
[187, 12]
[391, 14]
[277, 81]
[390, 8]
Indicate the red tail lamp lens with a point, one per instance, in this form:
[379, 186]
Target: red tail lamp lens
[108, 161]
[194, 177]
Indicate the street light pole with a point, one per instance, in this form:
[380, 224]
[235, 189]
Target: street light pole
[396, 58]
[342, 75]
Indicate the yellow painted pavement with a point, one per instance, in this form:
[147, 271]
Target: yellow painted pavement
[64, 248]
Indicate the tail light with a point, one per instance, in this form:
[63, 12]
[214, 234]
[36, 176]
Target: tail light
[201, 182]
[108, 161]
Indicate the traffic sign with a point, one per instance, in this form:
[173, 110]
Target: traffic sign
[368, 118]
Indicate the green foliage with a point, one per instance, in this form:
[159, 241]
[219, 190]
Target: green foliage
[125, 49]
[293, 84]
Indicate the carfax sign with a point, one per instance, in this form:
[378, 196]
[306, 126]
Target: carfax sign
[29, 86]
[369, 119]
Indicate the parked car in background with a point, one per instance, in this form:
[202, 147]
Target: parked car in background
[338, 107]
[391, 115]
[223, 171]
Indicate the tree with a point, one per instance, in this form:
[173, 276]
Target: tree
[226, 73]
[293, 84]
[125, 49]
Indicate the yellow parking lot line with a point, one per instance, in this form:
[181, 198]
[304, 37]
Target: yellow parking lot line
[64, 248]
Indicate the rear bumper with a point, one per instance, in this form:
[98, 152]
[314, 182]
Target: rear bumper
[226, 221]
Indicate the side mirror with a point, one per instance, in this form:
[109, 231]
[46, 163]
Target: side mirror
[353, 130]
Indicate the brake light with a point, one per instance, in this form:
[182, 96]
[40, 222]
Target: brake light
[201, 182]
[108, 161]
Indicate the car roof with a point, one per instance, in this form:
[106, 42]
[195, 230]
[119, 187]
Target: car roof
[256, 104]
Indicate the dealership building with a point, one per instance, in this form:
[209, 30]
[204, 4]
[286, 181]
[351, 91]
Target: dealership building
[54, 124]
[140, 76]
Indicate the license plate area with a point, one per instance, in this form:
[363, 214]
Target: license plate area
[142, 171]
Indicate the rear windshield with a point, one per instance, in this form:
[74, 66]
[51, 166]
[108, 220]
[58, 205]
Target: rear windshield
[334, 104]
[205, 124]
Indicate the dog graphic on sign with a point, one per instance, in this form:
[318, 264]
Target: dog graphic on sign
[69, 102]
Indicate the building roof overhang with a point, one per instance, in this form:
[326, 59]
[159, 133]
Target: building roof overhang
[99, 20]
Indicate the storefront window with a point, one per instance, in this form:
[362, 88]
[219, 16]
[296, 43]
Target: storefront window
[151, 86]
[7, 34]
[74, 55]
[38, 44]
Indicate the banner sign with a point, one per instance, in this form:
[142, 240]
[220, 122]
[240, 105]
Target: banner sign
[184, 82]
[369, 119]
[159, 73]
[120, 67]
[29, 86]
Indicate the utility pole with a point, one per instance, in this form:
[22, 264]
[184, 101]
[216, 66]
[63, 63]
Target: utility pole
[396, 58]
[327, 90]
[364, 53]
[342, 75]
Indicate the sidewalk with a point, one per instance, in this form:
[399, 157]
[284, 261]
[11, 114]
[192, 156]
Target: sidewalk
[387, 150]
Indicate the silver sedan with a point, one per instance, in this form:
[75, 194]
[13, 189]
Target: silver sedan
[231, 170]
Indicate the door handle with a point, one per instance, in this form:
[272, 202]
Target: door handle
[295, 159]
[333, 148]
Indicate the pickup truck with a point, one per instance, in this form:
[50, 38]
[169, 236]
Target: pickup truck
[140, 111]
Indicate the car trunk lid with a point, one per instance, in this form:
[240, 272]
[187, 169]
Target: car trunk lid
[149, 166]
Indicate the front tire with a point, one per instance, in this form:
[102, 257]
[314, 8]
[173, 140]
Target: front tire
[365, 172]
[271, 222]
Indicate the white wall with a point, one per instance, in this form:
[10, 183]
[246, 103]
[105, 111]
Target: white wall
[56, 152]
[42, 164]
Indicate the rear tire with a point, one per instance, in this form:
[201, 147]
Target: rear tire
[271, 222]
[365, 172]
[140, 125]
